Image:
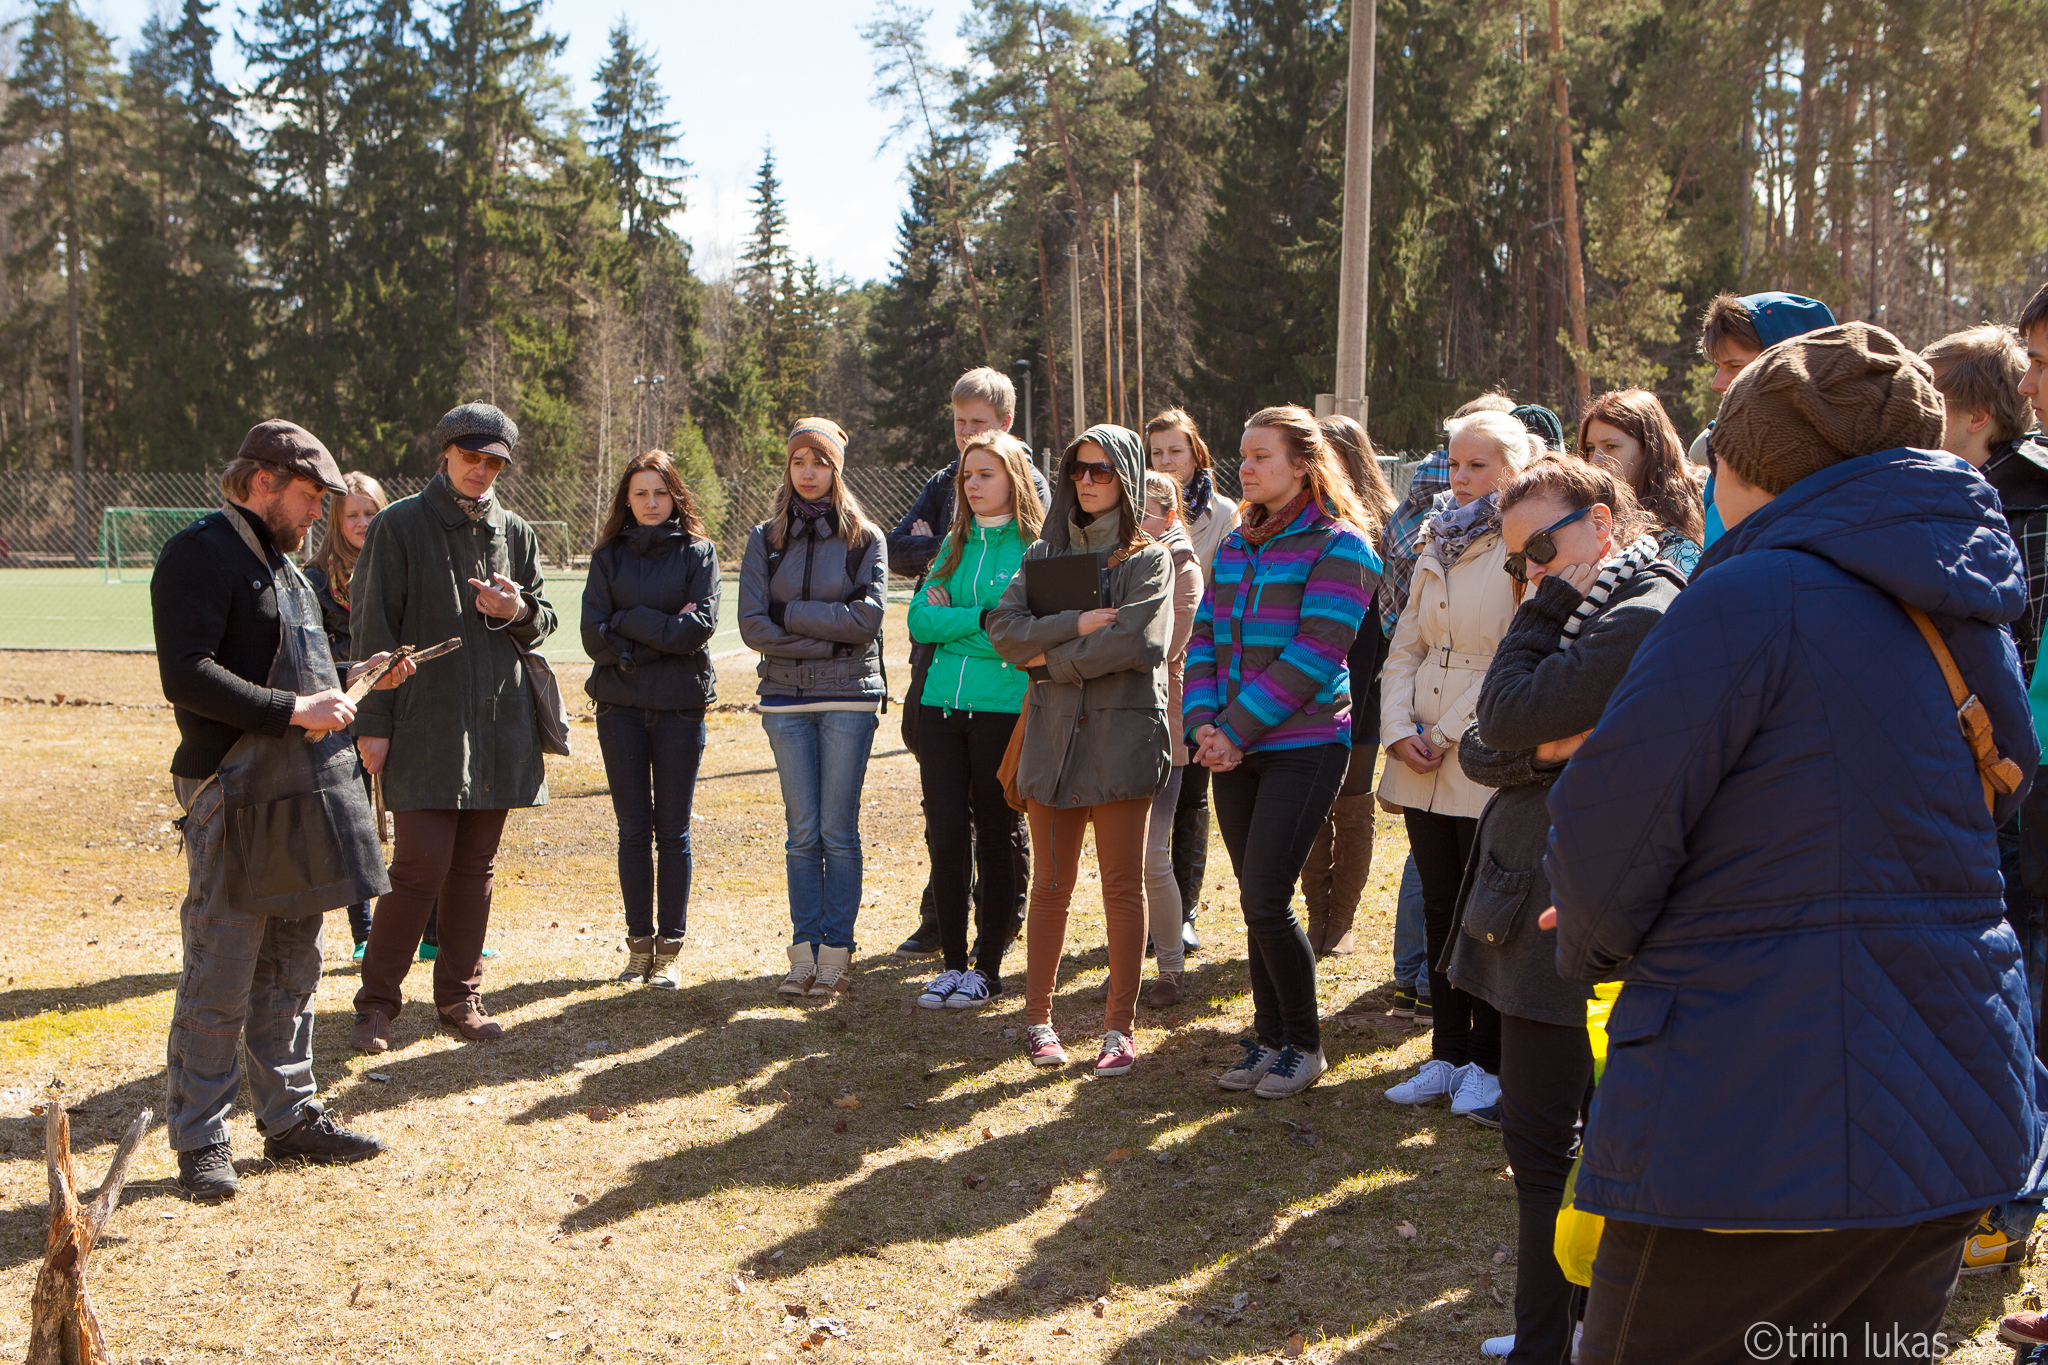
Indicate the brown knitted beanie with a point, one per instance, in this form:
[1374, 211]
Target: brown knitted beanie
[1822, 398]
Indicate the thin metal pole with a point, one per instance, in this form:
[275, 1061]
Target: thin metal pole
[1138, 291]
[1074, 321]
[1354, 266]
[1108, 360]
[1116, 218]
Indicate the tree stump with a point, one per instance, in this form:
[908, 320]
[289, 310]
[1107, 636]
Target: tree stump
[63, 1329]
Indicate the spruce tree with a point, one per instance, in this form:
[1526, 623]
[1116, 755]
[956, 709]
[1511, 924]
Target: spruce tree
[765, 258]
[913, 333]
[633, 142]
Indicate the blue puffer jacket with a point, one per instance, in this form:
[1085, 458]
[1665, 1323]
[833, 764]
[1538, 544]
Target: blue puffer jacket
[1777, 838]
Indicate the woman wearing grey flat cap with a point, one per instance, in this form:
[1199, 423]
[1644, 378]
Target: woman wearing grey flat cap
[459, 747]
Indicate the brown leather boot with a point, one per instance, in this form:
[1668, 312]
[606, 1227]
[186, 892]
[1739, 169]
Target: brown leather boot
[469, 1020]
[1167, 989]
[372, 1033]
[1350, 830]
[1315, 889]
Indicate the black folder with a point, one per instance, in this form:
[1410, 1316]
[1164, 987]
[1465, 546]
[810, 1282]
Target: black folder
[1062, 583]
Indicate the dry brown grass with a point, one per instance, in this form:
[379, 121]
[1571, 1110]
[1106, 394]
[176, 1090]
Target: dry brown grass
[1119, 1221]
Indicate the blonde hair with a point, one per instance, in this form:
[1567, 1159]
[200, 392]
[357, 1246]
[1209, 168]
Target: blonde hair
[337, 558]
[1015, 458]
[238, 480]
[984, 385]
[1979, 369]
[1167, 487]
[1516, 443]
[1324, 468]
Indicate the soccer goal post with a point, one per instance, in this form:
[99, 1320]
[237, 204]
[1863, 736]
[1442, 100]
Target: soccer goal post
[131, 537]
[551, 538]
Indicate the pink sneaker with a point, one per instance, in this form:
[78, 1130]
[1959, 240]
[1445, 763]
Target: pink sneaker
[1117, 1056]
[1042, 1045]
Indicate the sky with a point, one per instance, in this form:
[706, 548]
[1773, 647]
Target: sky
[740, 74]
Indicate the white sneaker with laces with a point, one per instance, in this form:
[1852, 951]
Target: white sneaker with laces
[1251, 1068]
[972, 992]
[942, 985]
[1498, 1346]
[1475, 1089]
[1435, 1081]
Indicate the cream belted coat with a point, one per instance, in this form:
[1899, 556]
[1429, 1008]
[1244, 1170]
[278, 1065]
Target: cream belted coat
[1438, 658]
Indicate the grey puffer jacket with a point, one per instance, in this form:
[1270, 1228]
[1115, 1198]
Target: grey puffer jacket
[1095, 724]
[1534, 693]
[817, 626]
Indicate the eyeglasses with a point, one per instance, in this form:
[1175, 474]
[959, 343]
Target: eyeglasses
[1540, 547]
[1092, 471]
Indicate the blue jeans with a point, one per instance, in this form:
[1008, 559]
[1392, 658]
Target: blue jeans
[822, 759]
[1411, 941]
[650, 763]
[246, 977]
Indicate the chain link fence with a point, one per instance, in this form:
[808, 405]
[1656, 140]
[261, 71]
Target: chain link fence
[76, 550]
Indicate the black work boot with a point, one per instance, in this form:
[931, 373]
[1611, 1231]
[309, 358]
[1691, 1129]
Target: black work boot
[207, 1174]
[925, 942]
[320, 1140]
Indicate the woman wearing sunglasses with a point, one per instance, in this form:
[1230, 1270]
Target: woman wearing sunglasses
[1095, 744]
[1584, 558]
[1459, 603]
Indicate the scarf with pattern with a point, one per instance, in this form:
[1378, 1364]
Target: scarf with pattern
[1199, 491]
[1259, 526]
[1615, 572]
[476, 509]
[1455, 527]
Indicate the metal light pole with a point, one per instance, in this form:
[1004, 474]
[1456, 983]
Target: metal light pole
[1023, 369]
[1074, 316]
[1353, 267]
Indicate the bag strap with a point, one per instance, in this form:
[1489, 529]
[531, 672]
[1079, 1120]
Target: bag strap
[2000, 776]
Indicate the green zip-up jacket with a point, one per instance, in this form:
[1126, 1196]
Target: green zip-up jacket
[966, 673]
[461, 729]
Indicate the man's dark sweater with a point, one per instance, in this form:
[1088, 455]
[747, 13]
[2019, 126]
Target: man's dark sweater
[911, 554]
[216, 637]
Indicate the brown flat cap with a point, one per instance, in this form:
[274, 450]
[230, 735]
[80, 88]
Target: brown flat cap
[290, 446]
[1825, 397]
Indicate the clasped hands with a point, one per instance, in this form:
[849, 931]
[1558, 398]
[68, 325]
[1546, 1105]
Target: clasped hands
[1214, 749]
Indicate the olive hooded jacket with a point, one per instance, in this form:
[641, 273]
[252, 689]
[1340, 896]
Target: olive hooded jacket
[1095, 724]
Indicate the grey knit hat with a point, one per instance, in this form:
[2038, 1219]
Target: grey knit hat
[478, 427]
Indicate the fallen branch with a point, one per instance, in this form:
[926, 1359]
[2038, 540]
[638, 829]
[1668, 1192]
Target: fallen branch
[63, 1329]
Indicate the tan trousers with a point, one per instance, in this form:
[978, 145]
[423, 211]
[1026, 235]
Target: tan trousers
[1055, 861]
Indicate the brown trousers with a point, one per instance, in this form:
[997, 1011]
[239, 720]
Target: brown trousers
[1055, 861]
[437, 855]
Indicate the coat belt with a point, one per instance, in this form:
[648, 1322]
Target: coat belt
[1477, 663]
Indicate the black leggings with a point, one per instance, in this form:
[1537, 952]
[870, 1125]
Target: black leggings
[1467, 1029]
[967, 820]
[1546, 1073]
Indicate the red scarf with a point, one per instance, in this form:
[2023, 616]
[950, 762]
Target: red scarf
[1258, 526]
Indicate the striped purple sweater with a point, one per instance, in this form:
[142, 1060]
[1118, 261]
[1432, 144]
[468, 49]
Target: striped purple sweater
[1266, 662]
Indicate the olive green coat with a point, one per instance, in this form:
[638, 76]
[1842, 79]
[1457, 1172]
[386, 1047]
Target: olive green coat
[461, 729]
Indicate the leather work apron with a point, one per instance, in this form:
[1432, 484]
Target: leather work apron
[300, 837]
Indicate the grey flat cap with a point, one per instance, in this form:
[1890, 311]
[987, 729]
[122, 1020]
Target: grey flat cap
[479, 427]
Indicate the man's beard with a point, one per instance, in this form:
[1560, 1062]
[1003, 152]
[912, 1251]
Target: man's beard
[283, 534]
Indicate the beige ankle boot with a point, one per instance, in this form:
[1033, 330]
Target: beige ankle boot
[832, 968]
[666, 971]
[639, 961]
[803, 965]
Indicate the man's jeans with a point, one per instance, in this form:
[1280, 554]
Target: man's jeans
[1411, 939]
[244, 975]
[822, 759]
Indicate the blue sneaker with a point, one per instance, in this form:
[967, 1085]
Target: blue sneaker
[971, 993]
[942, 986]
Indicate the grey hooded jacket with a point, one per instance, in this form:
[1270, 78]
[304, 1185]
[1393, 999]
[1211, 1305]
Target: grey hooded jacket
[828, 644]
[1095, 726]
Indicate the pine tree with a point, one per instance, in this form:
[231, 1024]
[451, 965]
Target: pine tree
[914, 331]
[634, 143]
[765, 259]
[64, 107]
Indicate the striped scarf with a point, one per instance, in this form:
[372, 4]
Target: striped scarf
[1615, 572]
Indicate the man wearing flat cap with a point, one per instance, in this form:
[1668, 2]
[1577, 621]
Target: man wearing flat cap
[459, 749]
[277, 828]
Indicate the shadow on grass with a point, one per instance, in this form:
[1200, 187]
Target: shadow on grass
[27, 1002]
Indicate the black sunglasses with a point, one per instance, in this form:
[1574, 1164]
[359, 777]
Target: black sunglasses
[1092, 471]
[1540, 547]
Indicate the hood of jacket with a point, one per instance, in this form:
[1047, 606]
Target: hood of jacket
[1125, 451]
[1780, 317]
[1920, 525]
[658, 539]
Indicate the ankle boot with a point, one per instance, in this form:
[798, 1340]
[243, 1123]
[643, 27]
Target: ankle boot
[666, 973]
[832, 968]
[1351, 830]
[1315, 890]
[803, 966]
[639, 960]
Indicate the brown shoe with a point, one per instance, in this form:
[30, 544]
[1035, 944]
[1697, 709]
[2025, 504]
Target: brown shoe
[469, 1020]
[1167, 989]
[372, 1033]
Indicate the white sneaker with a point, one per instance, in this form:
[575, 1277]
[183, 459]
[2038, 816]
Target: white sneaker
[1498, 1346]
[972, 992]
[942, 985]
[1475, 1089]
[1292, 1072]
[1250, 1069]
[1435, 1081]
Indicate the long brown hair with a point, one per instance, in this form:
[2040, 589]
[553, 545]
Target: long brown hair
[1327, 482]
[1355, 453]
[1015, 457]
[1173, 419]
[1661, 483]
[337, 558]
[621, 515]
[1582, 483]
[854, 522]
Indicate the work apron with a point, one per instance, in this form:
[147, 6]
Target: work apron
[300, 837]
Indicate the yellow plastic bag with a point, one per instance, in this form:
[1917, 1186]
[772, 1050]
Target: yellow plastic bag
[1578, 1233]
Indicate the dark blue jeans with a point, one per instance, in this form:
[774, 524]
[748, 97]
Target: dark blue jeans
[650, 762]
[1269, 808]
